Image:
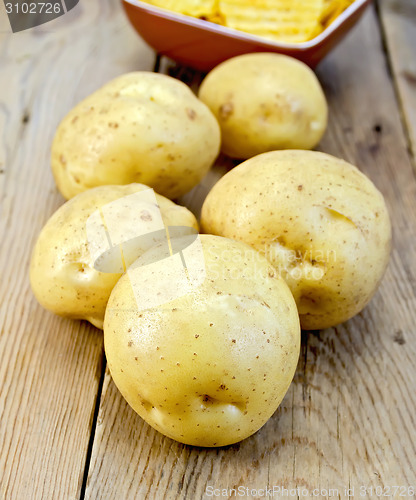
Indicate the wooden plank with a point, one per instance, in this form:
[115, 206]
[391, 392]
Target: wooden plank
[348, 418]
[50, 367]
[399, 23]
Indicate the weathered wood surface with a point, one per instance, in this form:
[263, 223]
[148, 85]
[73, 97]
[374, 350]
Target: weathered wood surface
[50, 368]
[348, 418]
[399, 24]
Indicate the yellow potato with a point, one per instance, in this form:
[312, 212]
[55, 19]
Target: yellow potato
[319, 220]
[63, 270]
[141, 127]
[210, 366]
[265, 102]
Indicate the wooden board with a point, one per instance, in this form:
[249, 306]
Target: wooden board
[348, 418]
[399, 23]
[50, 368]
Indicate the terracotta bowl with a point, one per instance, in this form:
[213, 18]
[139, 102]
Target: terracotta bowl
[203, 45]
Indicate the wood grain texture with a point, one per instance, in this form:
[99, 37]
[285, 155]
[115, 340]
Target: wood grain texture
[399, 23]
[50, 367]
[349, 417]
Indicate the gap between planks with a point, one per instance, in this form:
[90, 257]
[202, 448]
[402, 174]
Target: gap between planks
[156, 68]
[93, 425]
[389, 44]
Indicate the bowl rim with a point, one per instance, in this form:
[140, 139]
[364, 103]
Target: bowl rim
[223, 30]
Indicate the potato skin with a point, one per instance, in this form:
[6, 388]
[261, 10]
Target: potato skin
[208, 368]
[265, 102]
[62, 273]
[318, 219]
[141, 127]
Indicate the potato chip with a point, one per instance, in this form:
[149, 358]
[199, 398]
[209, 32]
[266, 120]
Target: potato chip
[332, 9]
[292, 21]
[196, 8]
[283, 20]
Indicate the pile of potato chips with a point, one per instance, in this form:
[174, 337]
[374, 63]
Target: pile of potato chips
[292, 21]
